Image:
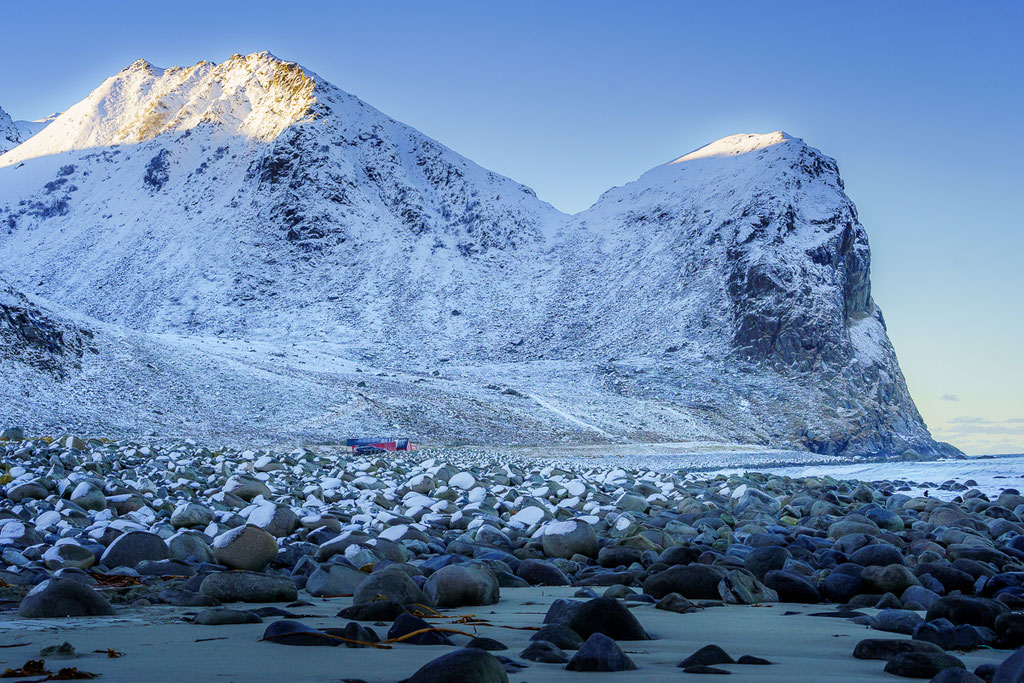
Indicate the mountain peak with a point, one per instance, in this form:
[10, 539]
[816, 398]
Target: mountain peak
[742, 143]
[253, 96]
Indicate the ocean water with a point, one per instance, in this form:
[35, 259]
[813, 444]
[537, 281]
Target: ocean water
[992, 474]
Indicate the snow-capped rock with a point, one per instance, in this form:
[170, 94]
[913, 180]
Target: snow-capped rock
[250, 217]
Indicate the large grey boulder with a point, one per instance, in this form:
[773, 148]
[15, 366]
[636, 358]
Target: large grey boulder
[244, 586]
[245, 547]
[55, 598]
[570, 537]
[458, 585]
[129, 549]
[334, 580]
[391, 583]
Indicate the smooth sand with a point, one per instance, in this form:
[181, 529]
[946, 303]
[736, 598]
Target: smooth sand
[158, 646]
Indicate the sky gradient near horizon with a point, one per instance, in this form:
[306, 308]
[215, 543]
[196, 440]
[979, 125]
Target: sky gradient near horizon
[920, 102]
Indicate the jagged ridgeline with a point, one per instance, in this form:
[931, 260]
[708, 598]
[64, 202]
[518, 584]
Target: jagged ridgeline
[258, 252]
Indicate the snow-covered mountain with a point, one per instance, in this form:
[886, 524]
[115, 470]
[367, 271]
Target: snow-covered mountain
[29, 128]
[202, 210]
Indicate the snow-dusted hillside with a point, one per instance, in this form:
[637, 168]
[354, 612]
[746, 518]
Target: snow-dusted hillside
[252, 220]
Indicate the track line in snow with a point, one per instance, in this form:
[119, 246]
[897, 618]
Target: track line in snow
[543, 403]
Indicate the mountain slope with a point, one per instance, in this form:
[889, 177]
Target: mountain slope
[722, 296]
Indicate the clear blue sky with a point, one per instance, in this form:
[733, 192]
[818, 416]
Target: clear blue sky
[921, 103]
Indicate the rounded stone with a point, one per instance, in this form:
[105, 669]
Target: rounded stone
[568, 538]
[245, 547]
[459, 585]
[133, 547]
[55, 598]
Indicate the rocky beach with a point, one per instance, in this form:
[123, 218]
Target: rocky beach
[143, 560]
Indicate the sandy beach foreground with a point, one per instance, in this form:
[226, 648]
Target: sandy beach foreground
[159, 646]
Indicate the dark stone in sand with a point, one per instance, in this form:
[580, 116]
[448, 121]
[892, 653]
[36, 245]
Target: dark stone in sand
[752, 660]
[245, 586]
[1011, 670]
[679, 554]
[462, 666]
[967, 609]
[706, 656]
[541, 573]
[1001, 582]
[186, 598]
[287, 632]
[921, 664]
[600, 653]
[894, 578]
[896, 621]
[1010, 629]
[948, 636]
[607, 616]
[460, 585]
[766, 559]
[694, 581]
[559, 635]
[225, 617]
[674, 602]
[407, 623]
[887, 648]
[612, 556]
[63, 598]
[791, 587]
[489, 644]
[165, 568]
[840, 588]
[952, 579]
[882, 554]
[561, 611]
[545, 652]
[511, 665]
[954, 675]
[889, 601]
[394, 584]
[838, 614]
[986, 671]
[382, 610]
[355, 632]
[704, 669]
[608, 578]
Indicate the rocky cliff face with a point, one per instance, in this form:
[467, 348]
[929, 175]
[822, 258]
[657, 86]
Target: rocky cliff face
[722, 296]
[10, 136]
